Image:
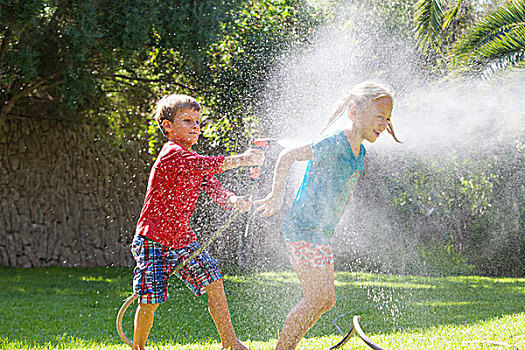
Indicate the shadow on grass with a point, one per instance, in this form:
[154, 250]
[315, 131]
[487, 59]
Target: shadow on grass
[58, 303]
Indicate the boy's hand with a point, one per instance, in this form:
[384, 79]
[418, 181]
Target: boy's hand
[240, 203]
[250, 157]
[269, 205]
[253, 157]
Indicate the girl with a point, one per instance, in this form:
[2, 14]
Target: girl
[335, 163]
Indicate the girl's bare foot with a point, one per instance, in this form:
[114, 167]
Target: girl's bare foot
[237, 346]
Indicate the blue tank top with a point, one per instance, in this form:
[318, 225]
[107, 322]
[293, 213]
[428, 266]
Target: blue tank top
[328, 183]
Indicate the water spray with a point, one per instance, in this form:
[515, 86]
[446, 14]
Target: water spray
[271, 148]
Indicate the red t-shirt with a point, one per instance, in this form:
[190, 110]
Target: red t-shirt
[175, 181]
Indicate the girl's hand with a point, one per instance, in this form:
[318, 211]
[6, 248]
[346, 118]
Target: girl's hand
[269, 205]
[240, 203]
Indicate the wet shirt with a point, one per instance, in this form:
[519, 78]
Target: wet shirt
[329, 181]
[174, 185]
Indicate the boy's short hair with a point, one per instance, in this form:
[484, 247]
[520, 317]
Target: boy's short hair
[168, 106]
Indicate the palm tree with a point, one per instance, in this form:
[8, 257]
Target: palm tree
[495, 42]
[463, 43]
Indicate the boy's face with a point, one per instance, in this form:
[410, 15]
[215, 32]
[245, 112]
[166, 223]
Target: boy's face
[185, 128]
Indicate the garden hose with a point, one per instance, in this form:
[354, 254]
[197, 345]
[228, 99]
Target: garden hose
[134, 296]
[356, 328]
[343, 341]
[363, 336]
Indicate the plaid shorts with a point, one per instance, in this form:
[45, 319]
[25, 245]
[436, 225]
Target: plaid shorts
[155, 263]
[308, 254]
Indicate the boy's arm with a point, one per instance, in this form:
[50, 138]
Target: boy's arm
[177, 158]
[249, 158]
[216, 191]
[272, 202]
[226, 199]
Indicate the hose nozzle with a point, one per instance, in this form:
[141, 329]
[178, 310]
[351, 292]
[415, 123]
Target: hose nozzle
[263, 144]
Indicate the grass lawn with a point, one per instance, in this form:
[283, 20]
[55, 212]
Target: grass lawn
[75, 308]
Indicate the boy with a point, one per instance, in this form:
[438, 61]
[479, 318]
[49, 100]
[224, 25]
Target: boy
[163, 237]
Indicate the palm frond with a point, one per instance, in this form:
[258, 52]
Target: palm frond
[513, 60]
[494, 43]
[497, 24]
[512, 42]
[502, 52]
[428, 19]
[452, 13]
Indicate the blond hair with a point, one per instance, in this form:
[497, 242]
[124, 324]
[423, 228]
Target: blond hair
[360, 97]
[168, 106]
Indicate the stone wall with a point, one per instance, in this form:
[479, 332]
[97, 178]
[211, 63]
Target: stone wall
[68, 195]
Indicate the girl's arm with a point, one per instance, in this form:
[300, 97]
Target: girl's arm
[272, 202]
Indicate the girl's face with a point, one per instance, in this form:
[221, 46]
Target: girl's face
[371, 121]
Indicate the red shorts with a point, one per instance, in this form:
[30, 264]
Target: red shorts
[308, 254]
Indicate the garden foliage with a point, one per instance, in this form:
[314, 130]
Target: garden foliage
[108, 62]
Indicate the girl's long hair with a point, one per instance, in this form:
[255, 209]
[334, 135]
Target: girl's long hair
[361, 95]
